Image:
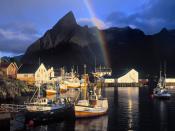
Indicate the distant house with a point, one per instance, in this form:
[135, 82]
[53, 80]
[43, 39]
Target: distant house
[8, 69]
[130, 77]
[32, 74]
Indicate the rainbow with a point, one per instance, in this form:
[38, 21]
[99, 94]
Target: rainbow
[101, 38]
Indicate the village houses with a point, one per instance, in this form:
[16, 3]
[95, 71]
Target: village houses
[34, 74]
[8, 69]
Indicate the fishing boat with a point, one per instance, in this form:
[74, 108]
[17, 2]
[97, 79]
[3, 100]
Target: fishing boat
[161, 90]
[51, 89]
[69, 80]
[41, 109]
[62, 87]
[91, 107]
[50, 92]
[85, 109]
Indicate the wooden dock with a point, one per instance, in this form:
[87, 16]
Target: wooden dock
[4, 115]
[102, 84]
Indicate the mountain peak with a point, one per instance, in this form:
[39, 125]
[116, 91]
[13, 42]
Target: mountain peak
[164, 30]
[66, 20]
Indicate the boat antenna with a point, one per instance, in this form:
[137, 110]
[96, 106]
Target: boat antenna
[165, 74]
[160, 71]
[84, 69]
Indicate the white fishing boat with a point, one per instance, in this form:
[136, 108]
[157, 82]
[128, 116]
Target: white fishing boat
[91, 107]
[69, 80]
[161, 90]
[85, 109]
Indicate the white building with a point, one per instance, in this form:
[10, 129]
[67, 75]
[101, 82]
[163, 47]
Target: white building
[170, 80]
[33, 74]
[131, 77]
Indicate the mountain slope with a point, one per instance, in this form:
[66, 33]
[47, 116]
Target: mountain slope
[67, 44]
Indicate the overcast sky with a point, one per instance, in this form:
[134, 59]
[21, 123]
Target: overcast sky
[24, 21]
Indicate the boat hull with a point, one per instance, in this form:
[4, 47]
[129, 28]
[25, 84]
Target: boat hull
[161, 93]
[83, 111]
[50, 92]
[43, 117]
[162, 96]
[86, 114]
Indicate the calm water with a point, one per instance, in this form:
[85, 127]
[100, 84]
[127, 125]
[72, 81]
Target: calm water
[130, 109]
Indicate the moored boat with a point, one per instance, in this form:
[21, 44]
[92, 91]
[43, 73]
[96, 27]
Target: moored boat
[50, 92]
[44, 111]
[93, 106]
[161, 93]
[41, 109]
[161, 90]
[84, 109]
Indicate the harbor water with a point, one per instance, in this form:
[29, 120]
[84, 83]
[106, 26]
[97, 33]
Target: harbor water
[130, 109]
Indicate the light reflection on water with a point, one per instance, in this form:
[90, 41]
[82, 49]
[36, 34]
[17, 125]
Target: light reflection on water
[130, 109]
[93, 124]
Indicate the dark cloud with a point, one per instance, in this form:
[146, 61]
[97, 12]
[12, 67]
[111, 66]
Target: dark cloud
[15, 38]
[152, 18]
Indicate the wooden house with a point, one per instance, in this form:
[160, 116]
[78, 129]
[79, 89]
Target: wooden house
[8, 69]
[34, 74]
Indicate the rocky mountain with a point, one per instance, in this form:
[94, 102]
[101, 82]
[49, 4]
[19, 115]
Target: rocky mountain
[68, 43]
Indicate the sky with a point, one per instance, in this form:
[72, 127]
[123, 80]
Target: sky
[24, 21]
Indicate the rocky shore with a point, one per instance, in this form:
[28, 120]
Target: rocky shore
[12, 88]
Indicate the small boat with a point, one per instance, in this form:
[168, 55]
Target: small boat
[41, 109]
[70, 80]
[92, 107]
[50, 92]
[161, 90]
[50, 89]
[84, 109]
[161, 93]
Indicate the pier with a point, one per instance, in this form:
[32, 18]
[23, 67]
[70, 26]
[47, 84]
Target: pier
[4, 115]
[115, 84]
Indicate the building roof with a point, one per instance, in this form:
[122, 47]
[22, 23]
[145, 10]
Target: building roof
[121, 72]
[28, 68]
[4, 65]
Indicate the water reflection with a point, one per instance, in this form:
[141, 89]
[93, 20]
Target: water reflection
[160, 110]
[128, 99]
[130, 108]
[93, 124]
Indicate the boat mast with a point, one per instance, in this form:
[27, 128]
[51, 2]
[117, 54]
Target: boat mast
[39, 62]
[165, 74]
[85, 68]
